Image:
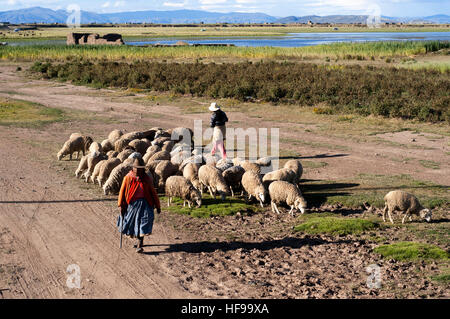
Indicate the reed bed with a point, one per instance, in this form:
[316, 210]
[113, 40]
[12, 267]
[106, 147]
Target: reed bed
[358, 51]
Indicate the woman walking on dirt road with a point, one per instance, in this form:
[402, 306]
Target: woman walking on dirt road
[218, 120]
[137, 200]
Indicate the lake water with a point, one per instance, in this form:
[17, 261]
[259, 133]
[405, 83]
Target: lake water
[290, 40]
[306, 39]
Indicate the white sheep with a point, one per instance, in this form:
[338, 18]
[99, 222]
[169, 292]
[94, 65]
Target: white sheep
[106, 169]
[285, 192]
[83, 165]
[107, 146]
[212, 178]
[93, 159]
[76, 143]
[125, 154]
[190, 172]
[95, 147]
[114, 135]
[152, 150]
[253, 186]
[114, 181]
[297, 167]
[282, 174]
[406, 203]
[224, 164]
[139, 146]
[178, 186]
[96, 171]
[163, 171]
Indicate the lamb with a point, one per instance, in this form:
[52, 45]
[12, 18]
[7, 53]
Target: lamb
[253, 186]
[406, 203]
[83, 165]
[178, 186]
[96, 171]
[114, 181]
[285, 192]
[152, 150]
[163, 171]
[190, 172]
[282, 174]
[106, 169]
[212, 178]
[76, 143]
[93, 159]
[233, 177]
[297, 167]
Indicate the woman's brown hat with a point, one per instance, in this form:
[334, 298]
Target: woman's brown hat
[138, 163]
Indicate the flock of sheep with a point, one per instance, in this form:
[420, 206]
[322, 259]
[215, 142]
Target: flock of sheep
[180, 170]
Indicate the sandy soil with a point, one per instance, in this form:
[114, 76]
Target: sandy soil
[50, 220]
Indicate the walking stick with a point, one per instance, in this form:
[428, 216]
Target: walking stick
[121, 230]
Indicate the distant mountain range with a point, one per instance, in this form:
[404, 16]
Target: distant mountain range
[45, 15]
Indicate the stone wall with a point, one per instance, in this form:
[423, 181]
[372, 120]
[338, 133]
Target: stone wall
[94, 38]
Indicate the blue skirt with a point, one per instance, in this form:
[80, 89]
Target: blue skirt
[138, 220]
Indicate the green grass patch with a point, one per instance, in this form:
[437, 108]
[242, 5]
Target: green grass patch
[411, 251]
[27, 114]
[212, 207]
[336, 226]
[443, 278]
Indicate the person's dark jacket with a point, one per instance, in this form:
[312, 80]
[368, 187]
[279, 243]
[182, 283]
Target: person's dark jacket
[218, 118]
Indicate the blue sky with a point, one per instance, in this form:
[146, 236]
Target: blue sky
[280, 8]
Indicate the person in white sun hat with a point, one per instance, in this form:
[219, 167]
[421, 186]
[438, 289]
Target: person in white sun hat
[218, 120]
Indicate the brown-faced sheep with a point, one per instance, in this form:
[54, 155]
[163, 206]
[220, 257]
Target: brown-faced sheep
[212, 178]
[178, 186]
[74, 144]
[253, 186]
[106, 169]
[406, 203]
[285, 192]
[233, 178]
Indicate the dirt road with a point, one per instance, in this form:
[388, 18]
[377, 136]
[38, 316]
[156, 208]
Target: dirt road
[50, 220]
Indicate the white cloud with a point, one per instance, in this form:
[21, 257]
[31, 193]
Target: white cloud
[119, 4]
[175, 4]
[107, 4]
